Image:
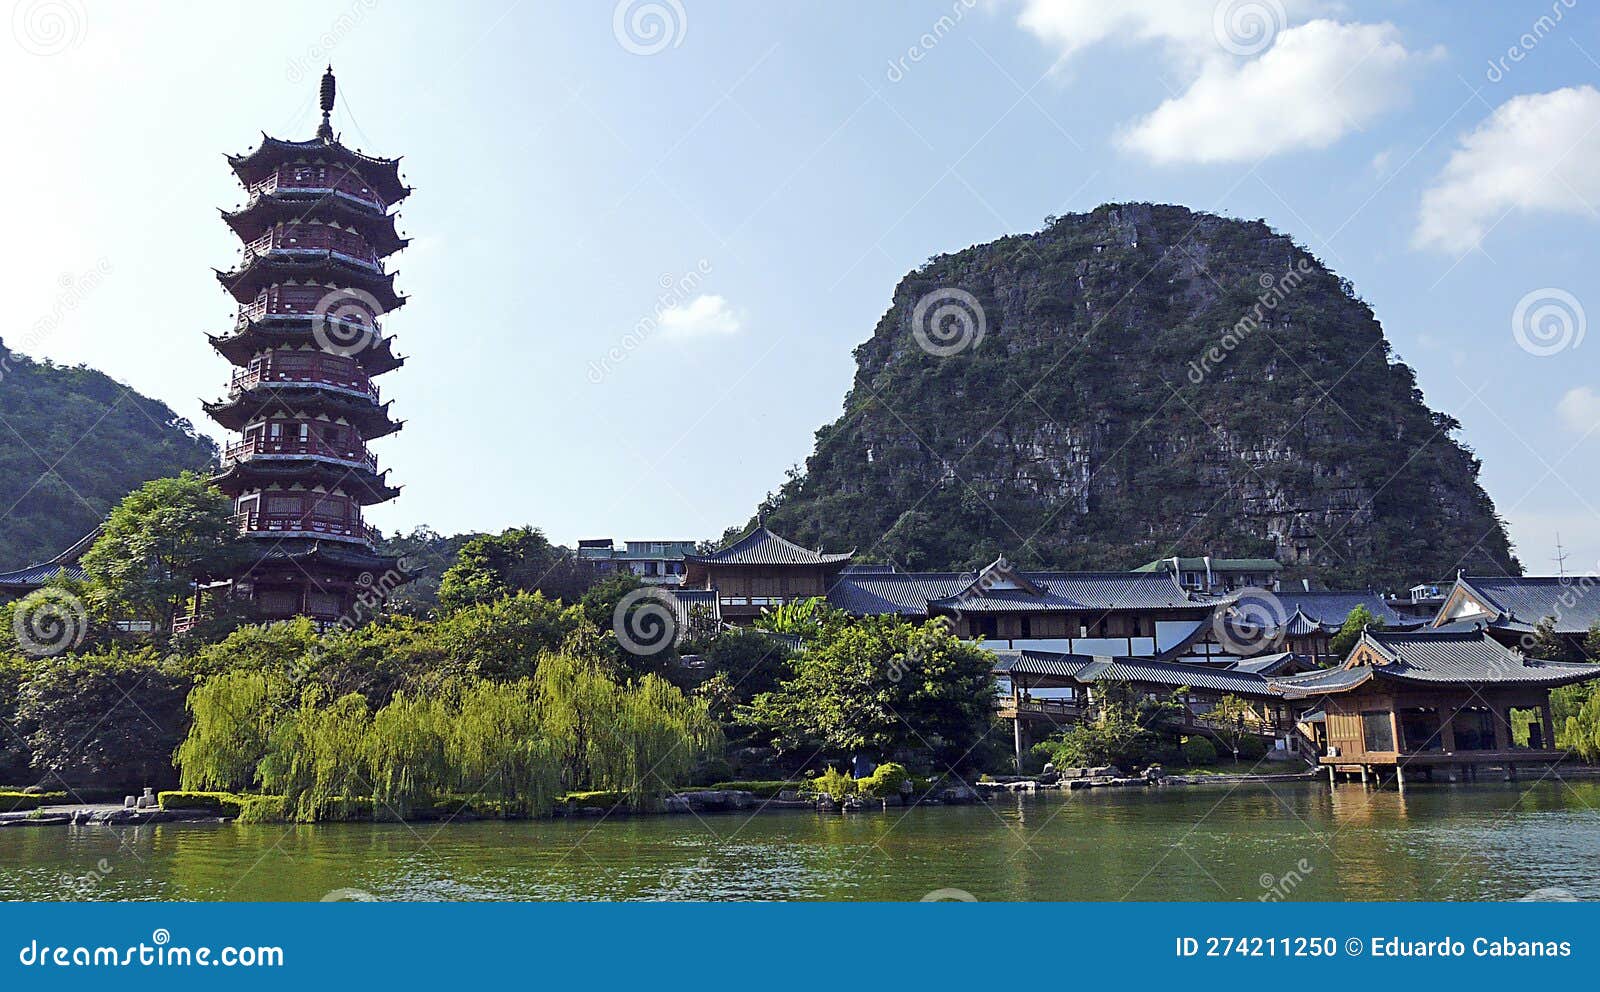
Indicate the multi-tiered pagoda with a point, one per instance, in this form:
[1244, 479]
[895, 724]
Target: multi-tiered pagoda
[307, 349]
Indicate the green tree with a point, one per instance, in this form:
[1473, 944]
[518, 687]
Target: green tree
[1231, 719]
[1548, 645]
[519, 559]
[157, 542]
[880, 685]
[1355, 622]
[502, 640]
[1591, 642]
[108, 719]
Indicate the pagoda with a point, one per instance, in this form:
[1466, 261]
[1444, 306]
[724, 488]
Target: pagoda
[307, 348]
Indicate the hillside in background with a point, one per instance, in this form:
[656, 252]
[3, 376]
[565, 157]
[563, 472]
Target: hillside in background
[1138, 381]
[72, 443]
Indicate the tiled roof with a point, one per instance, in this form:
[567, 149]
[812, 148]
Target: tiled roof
[1431, 656]
[38, 574]
[1334, 607]
[1267, 664]
[911, 593]
[1087, 668]
[762, 547]
[1573, 600]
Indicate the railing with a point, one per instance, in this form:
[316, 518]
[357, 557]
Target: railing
[312, 447]
[314, 238]
[1055, 709]
[332, 306]
[330, 372]
[759, 600]
[299, 179]
[259, 523]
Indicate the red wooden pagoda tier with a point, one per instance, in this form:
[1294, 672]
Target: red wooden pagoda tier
[311, 284]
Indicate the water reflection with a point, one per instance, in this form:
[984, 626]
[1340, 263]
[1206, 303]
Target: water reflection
[1283, 842]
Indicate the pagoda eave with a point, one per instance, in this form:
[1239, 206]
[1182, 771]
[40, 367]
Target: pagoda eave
[250, 405]
[310, 267]
[261, 334]
[382, 174]
[266, 209]
[358, 482]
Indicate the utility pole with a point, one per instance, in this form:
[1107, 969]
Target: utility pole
[1561, 557]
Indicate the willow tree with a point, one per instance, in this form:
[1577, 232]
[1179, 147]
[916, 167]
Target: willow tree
[405, 752]
[232, 717]
[315, 758]
[498, 751]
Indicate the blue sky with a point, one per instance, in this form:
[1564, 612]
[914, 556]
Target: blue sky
[781, 166]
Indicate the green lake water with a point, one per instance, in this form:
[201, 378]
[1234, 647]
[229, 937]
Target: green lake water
[1297, 841]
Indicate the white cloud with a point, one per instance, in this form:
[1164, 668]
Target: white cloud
[703, 316]
[1539, 152]
[1317, 83]
[1258, 82]
[1580, 410]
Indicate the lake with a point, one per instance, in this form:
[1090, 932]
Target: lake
[1296, 841]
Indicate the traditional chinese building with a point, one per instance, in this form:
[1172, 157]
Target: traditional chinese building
[759, 571]
[307, 349]
[1429, 699]
[1511, 606]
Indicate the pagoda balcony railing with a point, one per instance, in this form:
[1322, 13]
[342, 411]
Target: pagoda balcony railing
[342, 374]
[315, 238]
[298, 179]
[294, 525]
[312, 447]
[262, 308]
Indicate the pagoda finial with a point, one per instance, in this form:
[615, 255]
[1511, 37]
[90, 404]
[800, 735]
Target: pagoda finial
[325, 131]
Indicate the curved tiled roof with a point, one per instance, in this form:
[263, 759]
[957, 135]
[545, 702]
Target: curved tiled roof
[1088, 668]
[1440, 657]
[1574, 600]
[35, 575]
[913, 593]
[1334, 607]
[382, 174]
[762, 547]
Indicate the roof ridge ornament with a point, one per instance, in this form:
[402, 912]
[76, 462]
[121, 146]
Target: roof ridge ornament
[329, 89]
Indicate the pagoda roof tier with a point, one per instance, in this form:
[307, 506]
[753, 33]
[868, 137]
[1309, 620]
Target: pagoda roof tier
[257, 334]
[303, 400]
[359, 482]
[316, 266]
[297, 558]
[382, 174]
[267, 209]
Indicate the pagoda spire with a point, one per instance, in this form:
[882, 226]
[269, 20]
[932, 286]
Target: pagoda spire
[329, 88]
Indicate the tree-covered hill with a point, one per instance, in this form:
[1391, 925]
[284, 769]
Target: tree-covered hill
[72, 443]
[1141, 380]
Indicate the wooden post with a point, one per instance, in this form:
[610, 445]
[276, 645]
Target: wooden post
[1548, 722]
[1363, 774]
[1400, 777]
[1017, 730]
[1331, 780]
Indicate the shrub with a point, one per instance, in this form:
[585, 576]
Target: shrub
[18, 802]
[1199, 751]
[834, 782]
[885, 781]
[222, 803]
[263, 809]
[1252, 749]
[603, 798]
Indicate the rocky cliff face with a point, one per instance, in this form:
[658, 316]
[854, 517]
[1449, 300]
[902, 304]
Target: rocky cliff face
[1134, 382]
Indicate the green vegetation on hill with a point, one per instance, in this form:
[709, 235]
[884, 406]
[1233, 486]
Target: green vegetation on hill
[1149, 380]
[72, 443]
